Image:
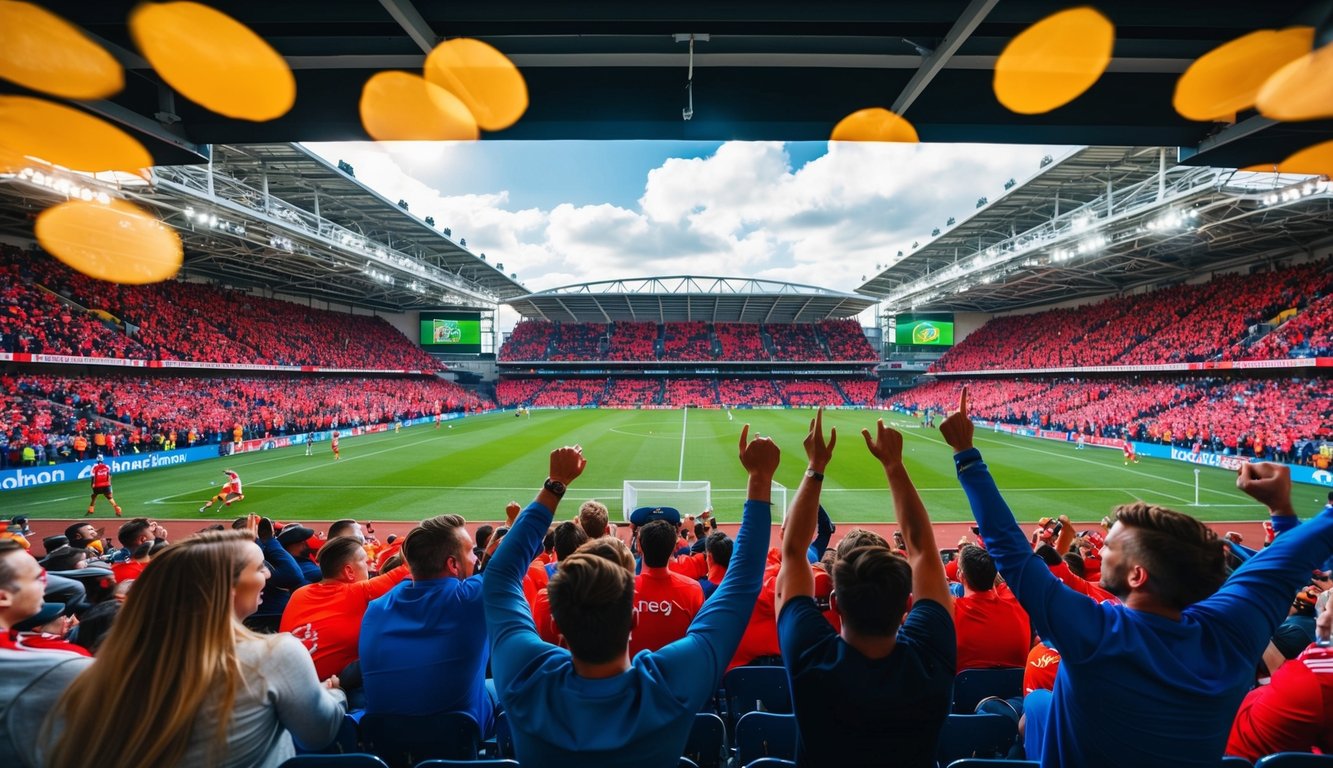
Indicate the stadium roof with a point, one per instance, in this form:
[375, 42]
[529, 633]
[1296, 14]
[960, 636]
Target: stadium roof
[278, 217]
[778, 70]
[1106, 220]
[683, 297]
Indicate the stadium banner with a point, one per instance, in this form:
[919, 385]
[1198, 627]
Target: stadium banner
[121, 362]
[1202, 458]
[1213, 365]
[30, 477]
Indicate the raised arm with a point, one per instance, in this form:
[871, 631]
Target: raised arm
[795, 579]
[514, 638]
[928, 579]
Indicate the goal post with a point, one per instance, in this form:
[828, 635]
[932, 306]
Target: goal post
[690, 496]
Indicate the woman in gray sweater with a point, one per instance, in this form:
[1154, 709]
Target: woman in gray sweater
[180, 681]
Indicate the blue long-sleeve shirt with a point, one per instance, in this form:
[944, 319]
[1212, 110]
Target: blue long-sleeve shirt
[284, 577]
[1135, 688]
[641, 716]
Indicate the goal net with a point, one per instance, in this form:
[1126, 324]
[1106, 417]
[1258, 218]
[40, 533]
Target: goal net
[691, 496]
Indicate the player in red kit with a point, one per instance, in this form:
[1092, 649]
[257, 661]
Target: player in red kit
[335, 446]
[1128, 448]
[231, 491]
[102, 486]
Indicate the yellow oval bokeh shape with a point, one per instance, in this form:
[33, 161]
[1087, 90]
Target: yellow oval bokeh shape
[401, 106]
[65, 136]
[1227, 79]
[41, 51]
[874, 124]
[1054, 61]
[1317, 160]
[1302, 90]
[482, 78]
[118, 242]
[214, 60]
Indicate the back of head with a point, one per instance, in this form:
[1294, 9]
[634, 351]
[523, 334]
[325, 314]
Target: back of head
[657, 540]
[483, 535]
[337, 553]
[65, 558]
[131, 531]
[1076, 565]
[171, 650]
[594, 519]
[860, 537]
[568, 538]
[428, 547]
[719, 546]
[1184, 558]
[612, 549]
[871, 586]
[344, 527]
[592, 601]
[976, 568]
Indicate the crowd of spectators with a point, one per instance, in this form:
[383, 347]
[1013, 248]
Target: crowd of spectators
[1274, 419]
[570, 393]
[75, 417]
[631, 392]
[1179, 324]
[693, 341]
[809, 392]
[50, 309]
[682, 392]
[699, 393]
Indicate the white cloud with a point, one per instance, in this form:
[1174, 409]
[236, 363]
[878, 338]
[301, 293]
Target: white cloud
[742, 211]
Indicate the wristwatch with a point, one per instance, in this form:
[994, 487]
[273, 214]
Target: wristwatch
[813, 475]
[556, 487]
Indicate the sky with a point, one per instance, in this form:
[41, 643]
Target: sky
[563, 212]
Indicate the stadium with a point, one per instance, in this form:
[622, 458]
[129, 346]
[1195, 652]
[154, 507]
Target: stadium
[1141, 322]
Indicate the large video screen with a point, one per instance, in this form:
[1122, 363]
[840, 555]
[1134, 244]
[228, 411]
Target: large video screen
[924, 330]
[458, 332]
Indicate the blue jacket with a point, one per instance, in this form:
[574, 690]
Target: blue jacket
[1135, 688]
[641, 716]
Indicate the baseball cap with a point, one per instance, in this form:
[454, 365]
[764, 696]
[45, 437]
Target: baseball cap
[294, 534]
[48, 613]
[645, 515]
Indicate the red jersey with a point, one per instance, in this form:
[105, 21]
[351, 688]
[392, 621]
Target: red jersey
[992, 630]
[667, 602]
[334, 609]
[101, 475]
[1290, 714]
[1128, 448]
[1039, 672]
[233, 484]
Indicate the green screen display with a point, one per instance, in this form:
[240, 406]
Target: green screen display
[451, 331]
[919, 332]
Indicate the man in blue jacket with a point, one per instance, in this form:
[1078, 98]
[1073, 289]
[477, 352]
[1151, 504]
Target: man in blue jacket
[593, 705]
[1157, 680]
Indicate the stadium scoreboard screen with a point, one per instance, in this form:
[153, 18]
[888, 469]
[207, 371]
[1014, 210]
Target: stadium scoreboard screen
[924, 330]
[458, 332]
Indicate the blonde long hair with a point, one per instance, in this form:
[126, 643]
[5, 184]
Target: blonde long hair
[169, 656]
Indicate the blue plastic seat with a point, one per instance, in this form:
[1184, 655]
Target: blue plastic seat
[963, 736]
[972, 685]
[978, 762]
[405, 740]
[350, 760]
[1294, 760]
[765, 734]
[1232, 761]
[771, 762]
[707, 744]
[504, 736]
[496, 763]
[755, 689]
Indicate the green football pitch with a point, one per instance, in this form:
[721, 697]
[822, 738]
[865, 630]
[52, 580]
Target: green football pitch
[484, 461]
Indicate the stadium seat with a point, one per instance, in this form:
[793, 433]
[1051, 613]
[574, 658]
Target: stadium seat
[405, 740]
[765, 734]
[973, 685]
[755, 689]
[352, 760]
[975, 736]
[771, 762]
[707, 744]
[504, 736]
[1294, 760]
[1232, 761]
[496, 763]
[978, 762]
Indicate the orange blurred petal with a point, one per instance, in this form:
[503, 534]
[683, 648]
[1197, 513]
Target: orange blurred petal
[214, 60]
[1316, 160]
[483, 78]
[65, 136]
[874, 124]
[1054, 61]
[119, 242]
[1302, 90]
[401, 106]
[1227, 79]
[41, 51]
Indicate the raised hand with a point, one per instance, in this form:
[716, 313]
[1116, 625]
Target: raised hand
[1267, 483]
[817, 451]
[567, 464]
[511, 512]
[760, 456]
[957, 429]
[886, 445]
